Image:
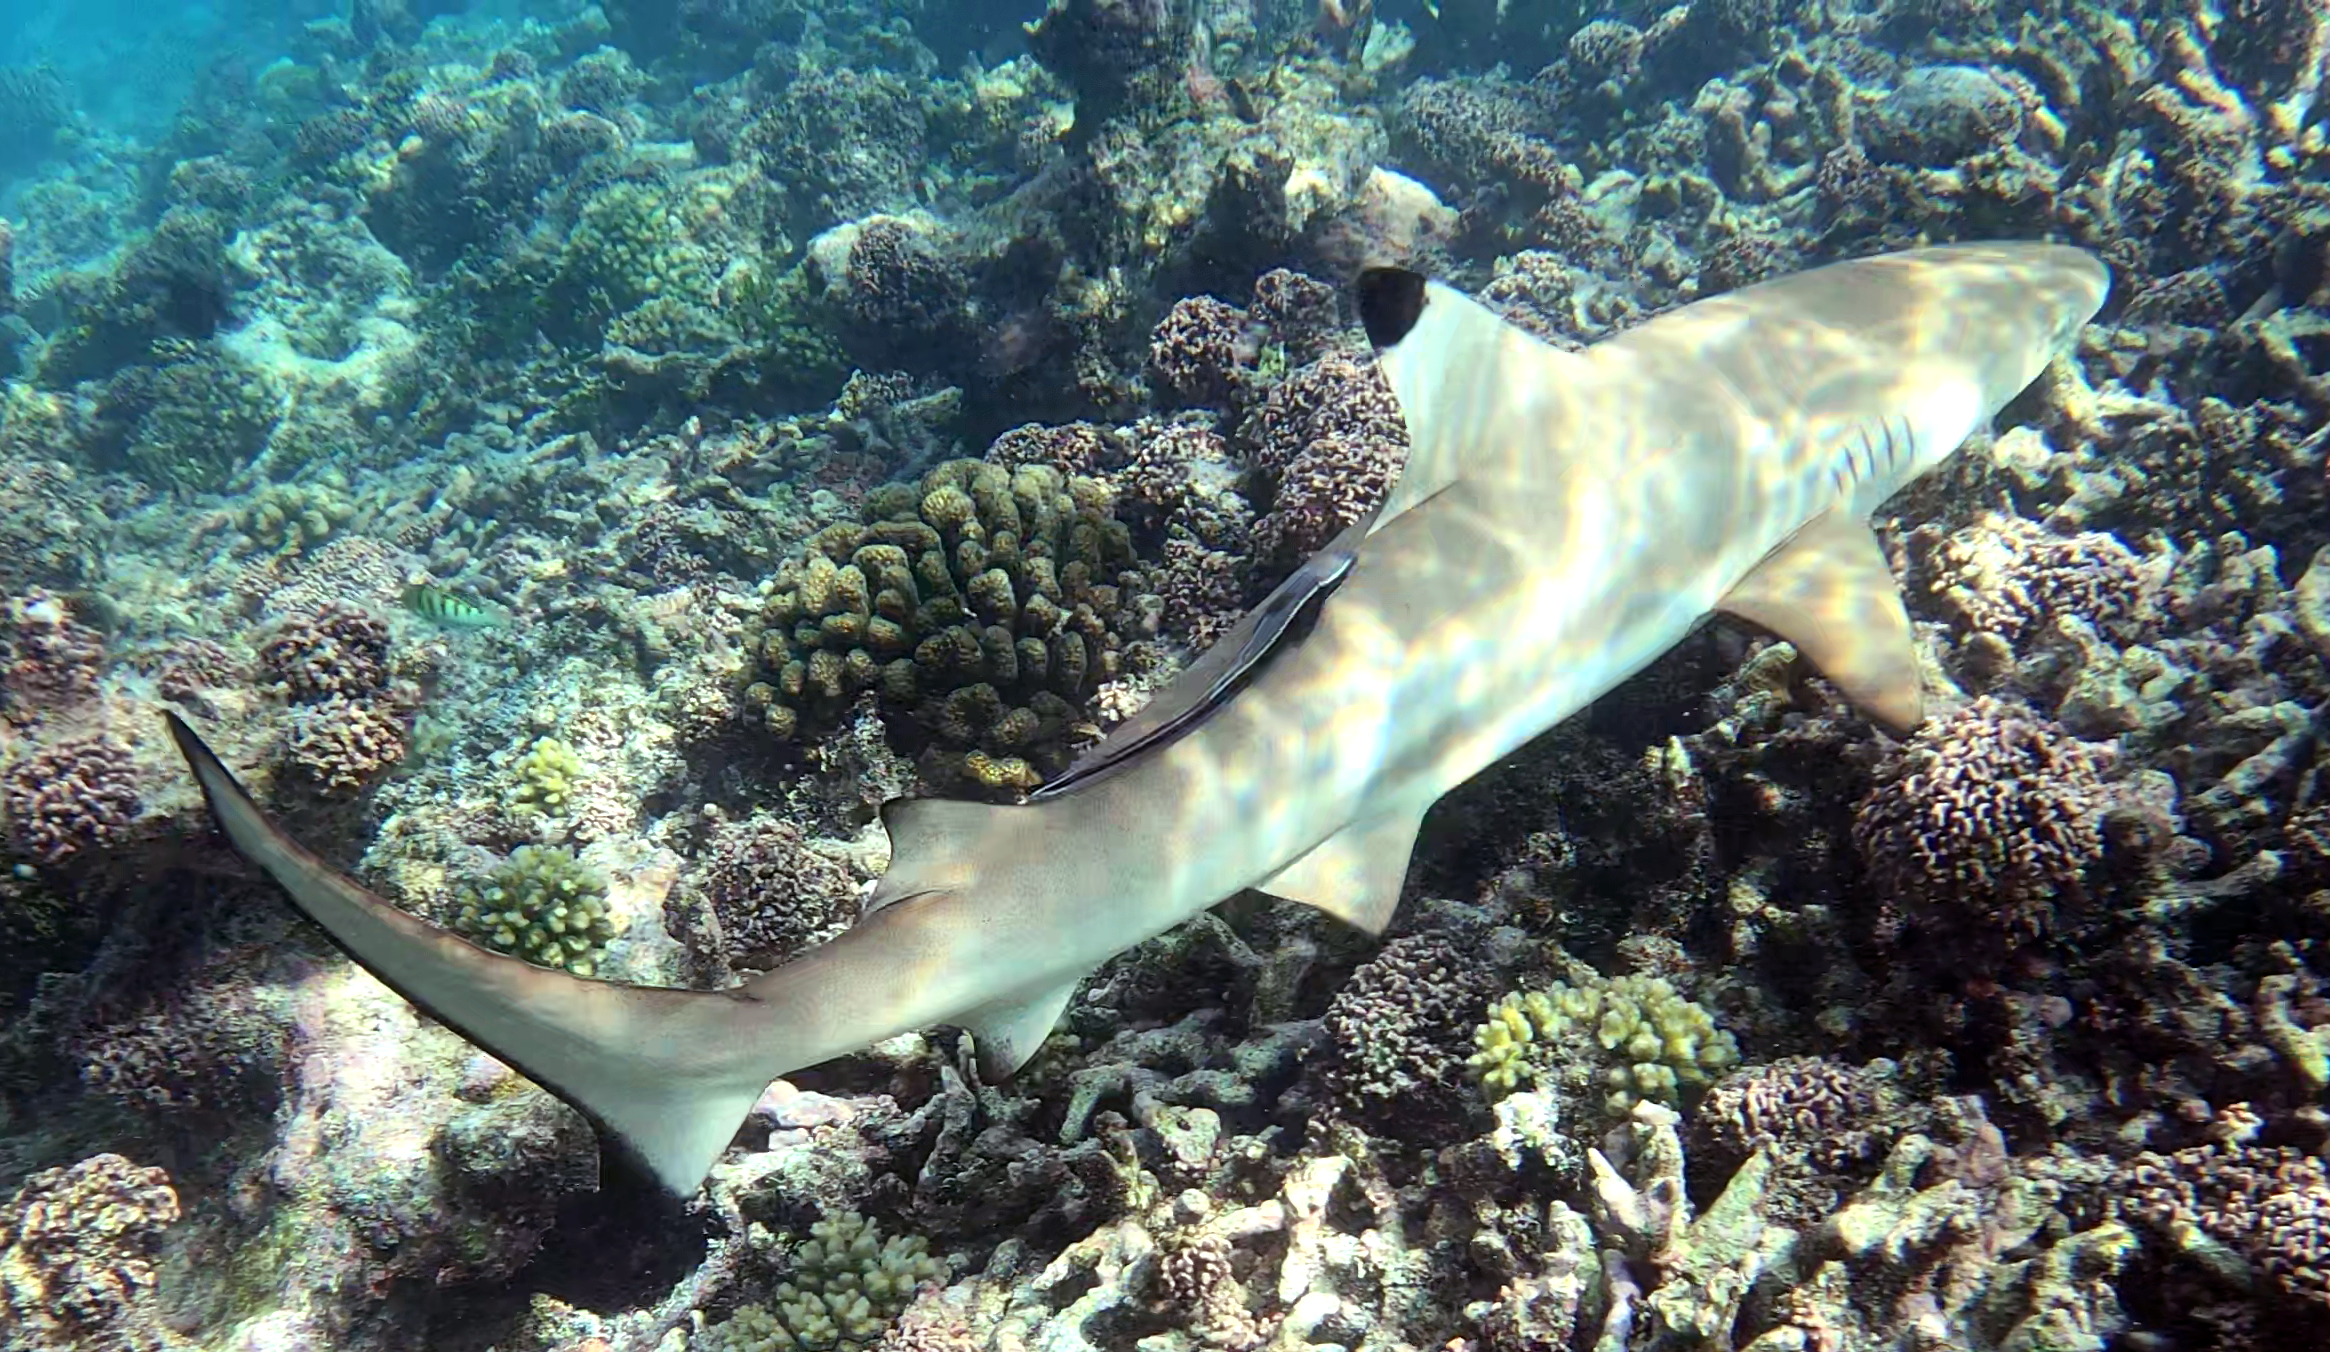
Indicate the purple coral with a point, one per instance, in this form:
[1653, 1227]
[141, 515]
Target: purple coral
[343, 744]
[2271, 1205]
[1986, 818]
[1332, 439]
[78, 1246]
[1301, 312]
[46, 658]
[1200, 350]
[899, 282]
[70, 797]
[334, 649]
[772, 895]
[1399, 1032]
[1073, 448]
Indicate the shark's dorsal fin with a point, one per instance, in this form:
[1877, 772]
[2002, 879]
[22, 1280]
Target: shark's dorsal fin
[1829, 591]
[929, 837]
[667, 1075]
[1008, 1032]
[1458, 368]
[1356, 874]
[1224, 669]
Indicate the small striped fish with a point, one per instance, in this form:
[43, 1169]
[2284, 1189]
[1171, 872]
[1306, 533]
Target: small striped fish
[451, 609]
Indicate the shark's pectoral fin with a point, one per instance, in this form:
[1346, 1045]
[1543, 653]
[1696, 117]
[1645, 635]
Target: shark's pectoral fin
[1008, 1032]
[1829, 592]
[1354, 875]
[667, 1075]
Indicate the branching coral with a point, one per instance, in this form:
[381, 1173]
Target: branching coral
[1331, 441]
[846, 1284]
[545, 778]
[544, 905]
[1632, 1038]
[344, 744]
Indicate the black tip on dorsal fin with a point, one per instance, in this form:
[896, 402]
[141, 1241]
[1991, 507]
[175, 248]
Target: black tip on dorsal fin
[1390, 299]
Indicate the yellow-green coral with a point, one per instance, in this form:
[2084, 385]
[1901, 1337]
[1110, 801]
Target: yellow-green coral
[292, 518]
[544, 905]
[981, 602]
[547, 777]
[847, 1284]
[1632, 1037]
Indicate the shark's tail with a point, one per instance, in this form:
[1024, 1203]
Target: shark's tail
[666, 1075]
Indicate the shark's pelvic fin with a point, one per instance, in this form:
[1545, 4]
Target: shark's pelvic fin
[667, 1075]
[1829, 591]
[1460, 370]
[1008, 1032]
[1354, 875]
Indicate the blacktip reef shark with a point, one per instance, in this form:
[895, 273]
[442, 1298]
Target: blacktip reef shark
[1564, 518]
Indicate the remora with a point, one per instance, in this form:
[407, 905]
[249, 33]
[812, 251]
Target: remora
[1563, 520]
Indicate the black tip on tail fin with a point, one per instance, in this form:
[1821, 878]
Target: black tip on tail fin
[1390, 301]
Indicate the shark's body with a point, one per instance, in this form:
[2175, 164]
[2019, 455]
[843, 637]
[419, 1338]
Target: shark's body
[1564, 520]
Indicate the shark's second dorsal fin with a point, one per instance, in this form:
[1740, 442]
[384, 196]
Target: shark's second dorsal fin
[1829, 592]
[1458, 368]
[1356, 874]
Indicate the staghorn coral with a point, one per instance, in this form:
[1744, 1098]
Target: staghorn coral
[1983, 822]
[1629, 1038]
[77, 1257]
[979, 602]
[71, 797]
[541, 904]
[844, 1285]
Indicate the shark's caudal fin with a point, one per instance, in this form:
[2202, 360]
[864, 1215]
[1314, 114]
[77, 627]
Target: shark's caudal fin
[667, 1075]
[1829, 389]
